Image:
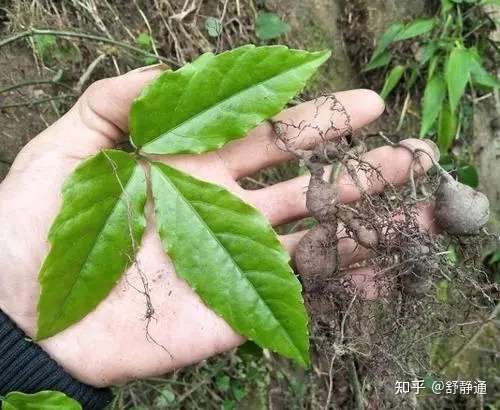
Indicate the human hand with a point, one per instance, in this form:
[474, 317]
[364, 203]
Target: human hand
[110, 344]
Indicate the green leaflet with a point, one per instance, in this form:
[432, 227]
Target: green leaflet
[218, 98]
[231, 257]
[458, 69]
[43, 400]
[91, 238]
[434, 94]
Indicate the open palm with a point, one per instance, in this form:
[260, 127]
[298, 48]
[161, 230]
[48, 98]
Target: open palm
[111, 343]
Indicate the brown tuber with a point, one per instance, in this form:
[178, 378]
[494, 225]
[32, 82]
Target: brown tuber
[317, 252]
[365, 236]
[460, 210]
[321, 198]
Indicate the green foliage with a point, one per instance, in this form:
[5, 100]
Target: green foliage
[432, 102]
[481, 77]
[447, 63]
[221, 246]
[165, 399]
[54, 52]
[458, 67]
[269, 26]
[93, 238]
[392, 80]
[468, 175]
[213, 26]
[144, 41]
[447, 128]
[387, 38]
[442, 291]
[45, 46]
[381, 60]
[44, 400]
[239, 269]
[208, 103]
[415, 28]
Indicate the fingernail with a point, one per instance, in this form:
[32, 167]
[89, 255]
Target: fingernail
[434, 147]
[159, 66]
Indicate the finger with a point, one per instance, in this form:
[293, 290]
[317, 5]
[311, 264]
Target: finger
[101, 114]
[350, 251]
[259, 149]
[364, 283]
[286, 201]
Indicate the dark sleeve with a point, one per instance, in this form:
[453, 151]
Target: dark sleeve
[26, 368]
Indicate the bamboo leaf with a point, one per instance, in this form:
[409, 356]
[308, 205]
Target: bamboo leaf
[392, 80]
[416, 28]
[231, 257]
[482, 78]
[385, 40]
[218, 98]
[427, 52]
[93, 238]
[381, 61]
[458, 67]
[447, 128]
[434, 94]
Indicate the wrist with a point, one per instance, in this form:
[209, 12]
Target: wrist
[27, 368]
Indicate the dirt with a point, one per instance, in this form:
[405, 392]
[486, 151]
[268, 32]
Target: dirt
[18, 125]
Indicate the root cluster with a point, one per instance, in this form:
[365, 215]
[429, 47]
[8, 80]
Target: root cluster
[373, 277]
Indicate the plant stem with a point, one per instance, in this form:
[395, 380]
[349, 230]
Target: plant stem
[36, 102]
[59, 33]
[32, 82]
[358, 393]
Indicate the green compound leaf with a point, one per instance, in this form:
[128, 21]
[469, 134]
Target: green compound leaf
[94, 238]
[43, 400]
[231, 257]
[218, 98]
[434, 94]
